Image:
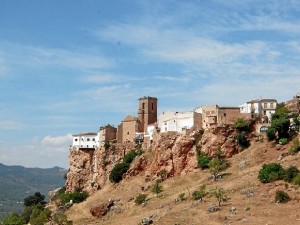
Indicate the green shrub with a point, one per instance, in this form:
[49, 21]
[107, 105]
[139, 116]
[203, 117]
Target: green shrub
[290, 173]
[181, 196]
[283, 141]
[61, 219]
[198, 195]
[163, 174]
[295, 148]
[157, 188]
[271, 172]
[36, 199]
[140, 199]
[282, 197]
[76, 197]
[39, 216]
[14, 219]
[129, 157]
[203, 162]
[296, 180]
[271, 133]
[242, 140]
[117, 172]
[241, 124]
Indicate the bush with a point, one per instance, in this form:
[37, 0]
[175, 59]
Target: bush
[117, 172]
[271, 172]
[157, 188]
[241, 125]
[198, 195]
[242, 140]
[283, 141]
[140, 199]
[36, 199]
[295, 148]
[203, 162]
[282, 197]
[76, 197]
[271, 133]
[296, 180]
[181, 196]
[290, 173]
[14, 219]
[129, 157]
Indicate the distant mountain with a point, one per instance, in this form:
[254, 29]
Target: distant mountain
[18, 182]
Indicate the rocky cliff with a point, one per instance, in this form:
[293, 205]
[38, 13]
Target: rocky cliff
[172, 152]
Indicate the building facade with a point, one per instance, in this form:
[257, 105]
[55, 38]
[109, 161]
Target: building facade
[179, 121]
[88, 140]
[147, 112]
[128, 129]
[107, 133]
[261, 107]
[219, 116]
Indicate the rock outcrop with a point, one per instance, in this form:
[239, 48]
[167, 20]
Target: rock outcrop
[172, 152]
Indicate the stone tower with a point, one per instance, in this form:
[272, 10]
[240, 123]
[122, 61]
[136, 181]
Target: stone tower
[147, 113]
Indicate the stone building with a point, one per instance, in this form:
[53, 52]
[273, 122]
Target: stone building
[219, 116]
[127, 129]
[132, 127]
[107, 133]
[147, 112]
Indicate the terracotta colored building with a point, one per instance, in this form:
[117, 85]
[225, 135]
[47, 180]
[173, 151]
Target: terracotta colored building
[217, 116]
[127, 129]
[147, 112]
[107, 133]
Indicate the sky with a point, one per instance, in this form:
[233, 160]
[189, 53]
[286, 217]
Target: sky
[72, 66]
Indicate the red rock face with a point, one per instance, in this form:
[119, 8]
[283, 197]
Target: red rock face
[174, 153]
[171, 151]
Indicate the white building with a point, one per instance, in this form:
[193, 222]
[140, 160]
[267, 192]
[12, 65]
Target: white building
[86, 140]
[150, 130]
[176, 121]
[262, 107]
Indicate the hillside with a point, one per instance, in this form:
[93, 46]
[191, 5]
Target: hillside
[18, 182]
[253, 202]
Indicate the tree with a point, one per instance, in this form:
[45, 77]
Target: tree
[216, 165]
[282, 125]
[241, 125]
[220, 195]
[36, 199]
[14, 219]
[157, 188]
[271, 133]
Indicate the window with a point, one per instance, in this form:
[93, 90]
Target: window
[265, 105]
[166, 129]
[252, 105]
[87, 139]
[152, 106]
[265, 112]
[76, 139]
[143, 105]
[94, 139]
[128, 133]
[272, 105]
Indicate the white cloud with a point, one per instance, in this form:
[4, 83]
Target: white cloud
[57, 141]
[43, 152]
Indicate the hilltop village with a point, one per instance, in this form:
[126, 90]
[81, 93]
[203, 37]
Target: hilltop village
[146, 125]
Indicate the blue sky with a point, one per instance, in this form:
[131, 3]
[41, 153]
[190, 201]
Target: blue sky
[73, 66]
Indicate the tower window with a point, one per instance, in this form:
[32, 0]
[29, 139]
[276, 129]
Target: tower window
[143, 105]
[152, 106]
